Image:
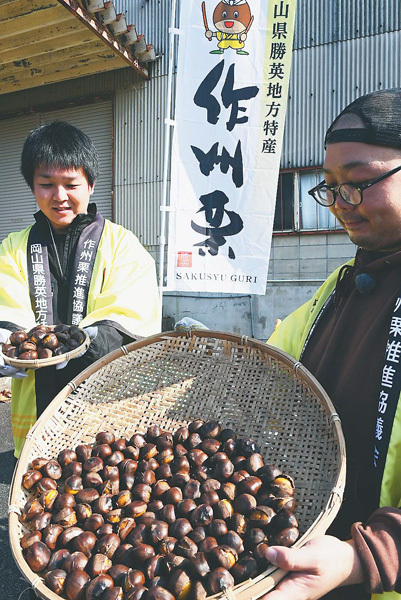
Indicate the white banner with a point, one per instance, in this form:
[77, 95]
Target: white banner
[232, 83]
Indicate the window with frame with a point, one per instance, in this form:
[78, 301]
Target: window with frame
[295, 209]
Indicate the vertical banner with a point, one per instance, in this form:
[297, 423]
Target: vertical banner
[232, 82]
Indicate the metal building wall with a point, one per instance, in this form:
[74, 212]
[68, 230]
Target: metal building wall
[324, 79]
[325, 21]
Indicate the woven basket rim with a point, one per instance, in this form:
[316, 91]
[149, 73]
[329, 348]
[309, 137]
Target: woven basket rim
[263, 582]
[38, 363]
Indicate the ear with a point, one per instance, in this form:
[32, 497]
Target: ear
[91, 189]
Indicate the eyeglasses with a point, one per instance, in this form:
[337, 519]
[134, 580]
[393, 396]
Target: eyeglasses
[326, 195]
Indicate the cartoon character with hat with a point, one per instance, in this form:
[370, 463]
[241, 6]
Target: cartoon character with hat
[233, 20]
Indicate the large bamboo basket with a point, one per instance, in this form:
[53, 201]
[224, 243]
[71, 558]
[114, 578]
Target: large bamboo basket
[172, 378]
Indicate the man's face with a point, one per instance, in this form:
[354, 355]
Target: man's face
[375, 224]
[61, 194]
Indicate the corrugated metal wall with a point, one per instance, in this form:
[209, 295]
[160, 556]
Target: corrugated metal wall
[325, 21]
[324, 79]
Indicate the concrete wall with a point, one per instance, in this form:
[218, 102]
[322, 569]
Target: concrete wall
[298, 266]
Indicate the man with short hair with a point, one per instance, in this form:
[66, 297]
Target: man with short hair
[72, 266]
[349, 336]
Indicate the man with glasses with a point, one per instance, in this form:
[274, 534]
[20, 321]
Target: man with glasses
[349, 336]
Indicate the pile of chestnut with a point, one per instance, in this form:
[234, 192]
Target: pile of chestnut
[158, 516]
[43, 341]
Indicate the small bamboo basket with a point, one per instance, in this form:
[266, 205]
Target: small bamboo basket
[38, 363]
[171, 379]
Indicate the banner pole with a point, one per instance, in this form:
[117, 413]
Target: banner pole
[167, 138]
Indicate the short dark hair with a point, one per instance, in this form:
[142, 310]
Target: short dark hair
[59, 144]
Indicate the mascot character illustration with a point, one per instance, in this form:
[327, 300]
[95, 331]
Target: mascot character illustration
[232, 19]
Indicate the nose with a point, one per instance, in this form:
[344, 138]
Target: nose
[341, 204]
[60, 194]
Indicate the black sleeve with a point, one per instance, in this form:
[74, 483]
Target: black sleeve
[108, 339]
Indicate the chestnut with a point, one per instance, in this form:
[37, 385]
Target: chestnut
[197, 534]
[198, 565]
[91, 479]
[84, 542]
[58, 559]
[72, 468]
[98, 586]
[210, 429]
[119, 444]
[105, 529]
[227, 434]
[44, 353]
[181, 435]
[156, 567]
[283, 486]
[37, 556]
[135, 509]
[142, 552]
[148, 451]
[210, 446]
[30, 538]
[167, 545]
[223, 556]
[131, 452]
[41, 521]
[186, 547]
[245, 503]
[66, 456]
[136, 593]
[108, 544]
[228, 491]
[239, 523]
[158, 593]
[217, 528]
[285, 537]
[137, 534]
[117, 573]
[233, 540]
[122, 557]
[137, 440]
[207, 544]
[247, 446]
[202, 515]
[103, 504]
[114, 459]
[93, 522]
[39, 463]
[31, 478]
[197, 457]
[180, 584]
[158, 530]
[73, 484]
[219, 580]
[67, 535]
[17, 337]
[142, 491]
[98, 564]
[164, 440]
[52, 469]
[114, 593]
[168, 514]
[125, 526]
[282, 503]
[211, 498]
[253, 537]
[250, 485]
[244, 569]
[83, 511]
[76, 561]
[192, 489]
[224, 509]
[75, 585]
[55, 580]
[83, 452]
[180, 528]
[223, 469]
[65, 517]
[93, 464]
[172, 495]
[261, 516]
[128, 465]
[64, 500]
[32, 508]
[198, 591]
[102, 451]
[50, 341]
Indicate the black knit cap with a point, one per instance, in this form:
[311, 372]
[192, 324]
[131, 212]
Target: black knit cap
[381, 113]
